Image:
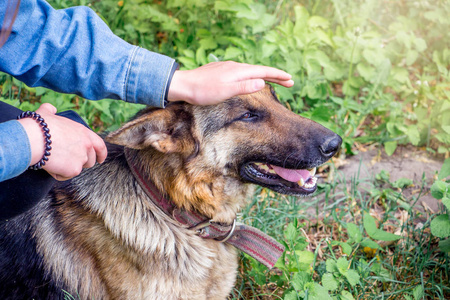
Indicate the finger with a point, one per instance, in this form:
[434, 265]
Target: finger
[285, 83]
[91, 159]
[47, 108]
[244, 87]
[263, 72]
[99, 147]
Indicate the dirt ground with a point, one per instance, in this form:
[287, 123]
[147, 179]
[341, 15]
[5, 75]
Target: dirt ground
[406, 162]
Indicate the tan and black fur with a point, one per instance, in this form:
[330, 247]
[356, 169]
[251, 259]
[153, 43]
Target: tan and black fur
[100, 237]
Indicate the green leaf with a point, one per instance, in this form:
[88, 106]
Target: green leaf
[402, 183]
[383, 71]
[373, 56]
[324, 37]
[292, 295]
[305, 257]
[334, 71]
[366, 71]
[375, 233]
[208, 43]
[444, 245]
[331, 265]
[212, 58]
[369, 243]
[404, 38]
[346, 248]
[420, 44]
[201, 56]
[299, 280]
[390, 147]
[232, 52]
[400, 74]
[418, 292]
[346, 295]
[352, 277]
[291, 232]
[413, 135]
[316, 21]
[440, 226]
[411, 57]
[446, 202]
[354, 232]
[268, 49]
[445, 170]
[342, 265]
[439, 189]
[301, 14]
[318, 292]
[329, 282]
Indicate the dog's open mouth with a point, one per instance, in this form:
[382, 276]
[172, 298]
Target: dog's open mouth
[286, 181]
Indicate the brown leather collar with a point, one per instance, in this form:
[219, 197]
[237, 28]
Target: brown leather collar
[246, 238]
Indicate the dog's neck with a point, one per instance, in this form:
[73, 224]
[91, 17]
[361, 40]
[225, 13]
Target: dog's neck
[215, 196]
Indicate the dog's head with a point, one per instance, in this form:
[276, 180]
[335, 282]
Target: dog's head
[246, 139]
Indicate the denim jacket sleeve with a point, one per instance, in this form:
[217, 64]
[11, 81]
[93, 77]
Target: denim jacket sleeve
[73, 51]
[15, 155]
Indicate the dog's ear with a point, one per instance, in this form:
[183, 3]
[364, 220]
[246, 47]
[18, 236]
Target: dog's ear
[166, 130]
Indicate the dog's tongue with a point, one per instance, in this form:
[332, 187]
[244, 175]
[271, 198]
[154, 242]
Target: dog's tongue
[292, 175]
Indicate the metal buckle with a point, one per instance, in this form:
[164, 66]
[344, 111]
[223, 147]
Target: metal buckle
[230, 233]
[199, 227]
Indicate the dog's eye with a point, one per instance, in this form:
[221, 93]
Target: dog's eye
[248, 116]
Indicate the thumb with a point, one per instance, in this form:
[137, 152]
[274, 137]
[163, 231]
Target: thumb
[249, 86]
[46, 108]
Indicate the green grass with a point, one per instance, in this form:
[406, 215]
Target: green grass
[411, 267]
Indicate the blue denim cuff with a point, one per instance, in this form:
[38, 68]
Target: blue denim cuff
[148, 77]
[15, 150]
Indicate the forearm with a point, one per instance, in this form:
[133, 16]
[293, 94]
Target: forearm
[73, 51]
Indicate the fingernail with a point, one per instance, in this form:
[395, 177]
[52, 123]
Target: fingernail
[259, 84]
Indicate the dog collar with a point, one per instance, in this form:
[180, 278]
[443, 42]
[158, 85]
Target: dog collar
[248, 239]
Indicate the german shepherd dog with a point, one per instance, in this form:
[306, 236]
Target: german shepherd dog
[100, 235]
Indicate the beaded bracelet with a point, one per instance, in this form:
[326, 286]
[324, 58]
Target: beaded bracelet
[47, 136]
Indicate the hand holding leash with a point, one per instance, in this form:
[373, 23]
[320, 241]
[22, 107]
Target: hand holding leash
[217, 81]
[74, 147]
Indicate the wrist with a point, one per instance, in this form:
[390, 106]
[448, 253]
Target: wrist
[179, 89]
[38, 136]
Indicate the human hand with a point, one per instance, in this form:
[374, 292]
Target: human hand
[74, 146]
[217, 81]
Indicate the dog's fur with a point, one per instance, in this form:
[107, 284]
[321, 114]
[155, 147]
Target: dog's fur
[99, 237]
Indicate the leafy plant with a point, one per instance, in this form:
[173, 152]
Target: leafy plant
[440, 225]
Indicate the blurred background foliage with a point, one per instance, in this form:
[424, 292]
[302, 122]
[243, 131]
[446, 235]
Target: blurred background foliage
[373, 71]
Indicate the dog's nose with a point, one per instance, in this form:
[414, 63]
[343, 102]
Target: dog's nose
[331, 145]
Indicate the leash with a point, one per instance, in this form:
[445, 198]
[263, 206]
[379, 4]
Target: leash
[248, 239]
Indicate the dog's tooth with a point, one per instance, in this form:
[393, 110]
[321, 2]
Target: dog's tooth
[312, 171]
[301, 182]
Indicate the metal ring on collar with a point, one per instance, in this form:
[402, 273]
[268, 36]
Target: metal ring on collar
[230, 233]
